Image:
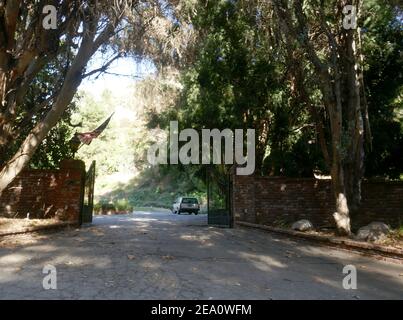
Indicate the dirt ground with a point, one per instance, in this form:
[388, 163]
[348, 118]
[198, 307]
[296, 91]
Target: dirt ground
[8, 225]
[159, 255]
[394, 239]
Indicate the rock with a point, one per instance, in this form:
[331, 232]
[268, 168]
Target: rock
[374, 232]
[302, 225]
[379, 226]
[362, 233]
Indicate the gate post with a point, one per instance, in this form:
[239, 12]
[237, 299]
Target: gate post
[88, 194]
[76, 166]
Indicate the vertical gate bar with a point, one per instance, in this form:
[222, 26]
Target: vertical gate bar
[208, 193]
[92, 189]
[82, 197]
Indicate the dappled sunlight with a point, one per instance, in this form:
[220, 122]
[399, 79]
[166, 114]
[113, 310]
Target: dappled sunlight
[13, 258]
[9, 275]
[327, 281]
[45, 248]
[150, 265]
[145, 256]
[262, 111]
[262, 262]
[202, 240]
[145, 212]
[142, 219]
[120, 218]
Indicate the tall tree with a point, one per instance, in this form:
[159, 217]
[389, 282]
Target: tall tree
[332, 48]
[55, 146]
[30, 40]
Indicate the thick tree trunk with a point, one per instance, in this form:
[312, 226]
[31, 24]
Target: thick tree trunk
[342, 214]
[354, 162]
[341, 83]
[38, 133]
[28, 65]
[36, 136]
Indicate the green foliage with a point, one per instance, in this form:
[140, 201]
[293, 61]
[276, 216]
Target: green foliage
[55, 147]
[383, 47]
[238, 81]
[52, 150]
[124, 177]
[155, 187]
[113, 149]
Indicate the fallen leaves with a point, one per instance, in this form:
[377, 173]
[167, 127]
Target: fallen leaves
[10, 225]
[18, 269]
[97, 232]
[291, 254]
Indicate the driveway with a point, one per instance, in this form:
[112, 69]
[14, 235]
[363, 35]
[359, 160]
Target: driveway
[158, 255]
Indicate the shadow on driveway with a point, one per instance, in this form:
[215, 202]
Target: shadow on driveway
[159, 255]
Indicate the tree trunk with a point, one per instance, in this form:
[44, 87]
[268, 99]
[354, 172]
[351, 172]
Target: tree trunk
[28, 65]
[341, 84]
[354, 162]
[38, 133]
[342, 214]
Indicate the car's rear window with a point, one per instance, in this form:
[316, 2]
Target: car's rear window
[189, 200]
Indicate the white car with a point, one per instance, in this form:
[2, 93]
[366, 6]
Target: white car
[186, 204]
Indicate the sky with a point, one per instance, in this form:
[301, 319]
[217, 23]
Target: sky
[128, 69]
[126, 72]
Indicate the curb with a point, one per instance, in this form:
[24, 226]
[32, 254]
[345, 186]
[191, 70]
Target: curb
[41, 228]
[365, 247]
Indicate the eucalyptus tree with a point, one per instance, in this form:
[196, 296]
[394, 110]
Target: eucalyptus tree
[320, 43]
[327, 35]
[62, 35]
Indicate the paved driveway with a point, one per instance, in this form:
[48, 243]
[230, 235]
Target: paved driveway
[159, 255]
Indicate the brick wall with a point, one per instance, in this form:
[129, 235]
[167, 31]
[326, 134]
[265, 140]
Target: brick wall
[278, 200]
[45, 193]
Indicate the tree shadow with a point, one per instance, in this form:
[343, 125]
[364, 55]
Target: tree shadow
[147, 257]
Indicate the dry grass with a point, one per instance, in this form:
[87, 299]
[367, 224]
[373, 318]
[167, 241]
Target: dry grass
[393, 240]
[8, 225]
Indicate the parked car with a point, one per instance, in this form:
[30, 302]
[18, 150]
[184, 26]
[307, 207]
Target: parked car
[186, 204]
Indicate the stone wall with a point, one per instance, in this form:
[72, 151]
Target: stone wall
[278, 200]
[46, 193]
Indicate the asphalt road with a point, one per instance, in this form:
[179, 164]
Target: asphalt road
[158, 255]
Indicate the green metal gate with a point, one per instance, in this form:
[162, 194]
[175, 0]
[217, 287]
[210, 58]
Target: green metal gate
[219, 192]
[88, 203]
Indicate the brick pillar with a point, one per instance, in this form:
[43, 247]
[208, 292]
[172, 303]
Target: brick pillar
[46, 193]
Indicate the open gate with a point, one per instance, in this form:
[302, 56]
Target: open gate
[88, 195]
[219, 192]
